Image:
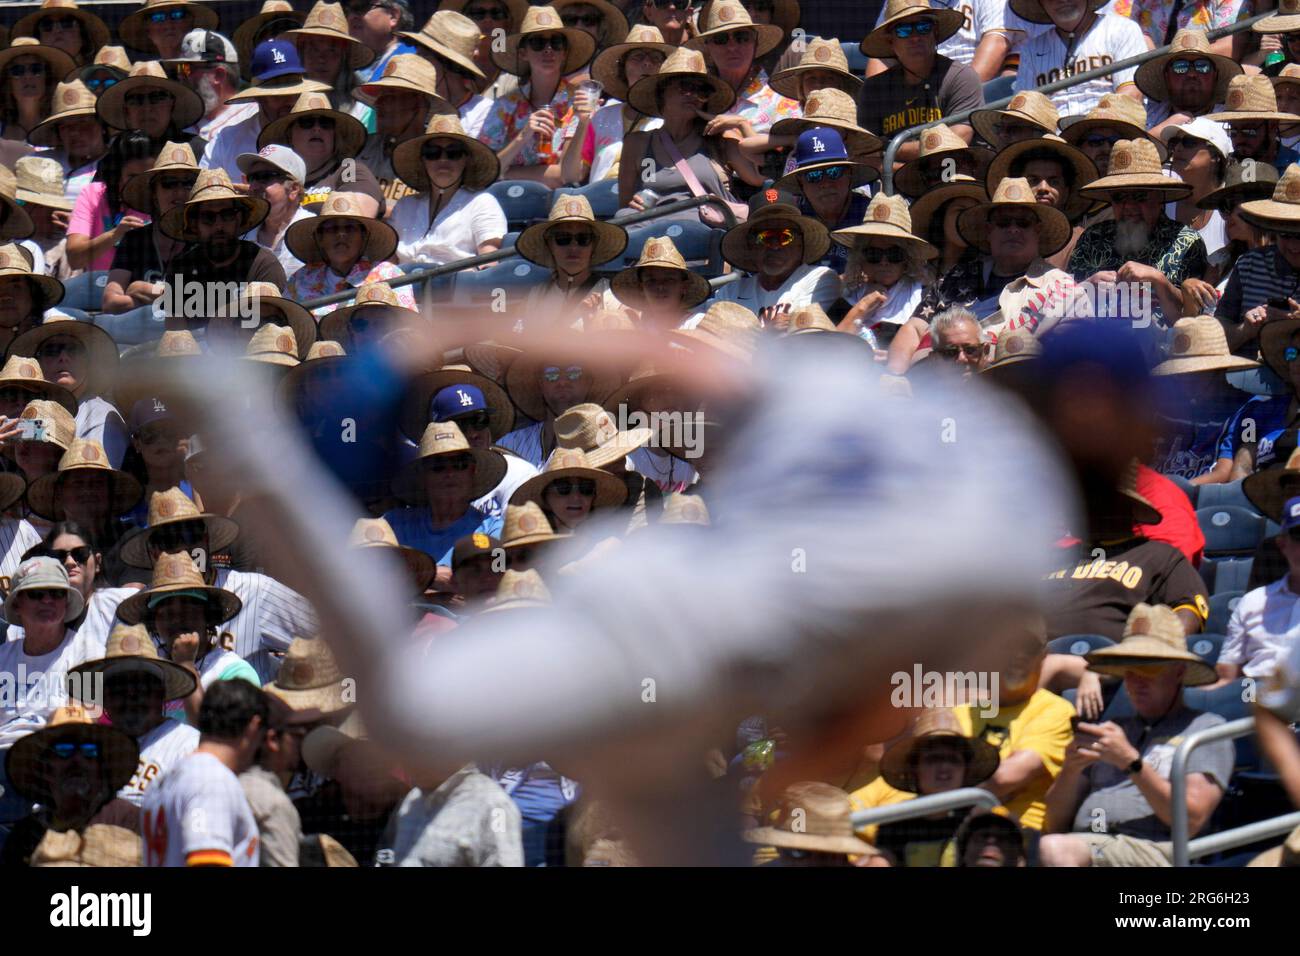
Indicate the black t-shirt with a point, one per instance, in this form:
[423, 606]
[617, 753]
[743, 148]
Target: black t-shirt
[1094, 595]
[887, 105]
[251, 264]
[138, 255]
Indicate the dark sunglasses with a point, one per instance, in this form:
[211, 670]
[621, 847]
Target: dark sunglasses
[738, 37]
[438, 152]
[209, 218]
[553, 373]
[487, 13]
[569, 238]
[1291, 354]
[1248, 132]
[168, 537]
[266, 176]
[48, 24]
[876, 255]
[30, 69]
[440, 465]
[100, 83]
[1010, 222]
[831, 173]
[41, 594]
[1096, 140]
[557, 41]
[970, 351]
[165, 15]
[177, 182]
[49, 350]
[152, 98]
[1181, 67]
[1184, 142]
[475, 421]
[566, 486]
[79, 554]
[920, 28]
[312, 122]
[67, 749]
[693, 87]
[583, 20]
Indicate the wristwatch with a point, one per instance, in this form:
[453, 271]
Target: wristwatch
[1134, 767]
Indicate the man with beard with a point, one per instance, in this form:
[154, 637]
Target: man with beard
[209, 65]
[1252, 117]
[1186, 82]
[1136, 263]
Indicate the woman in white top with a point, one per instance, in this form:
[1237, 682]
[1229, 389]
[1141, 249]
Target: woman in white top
[449, 217]
[1198, 152]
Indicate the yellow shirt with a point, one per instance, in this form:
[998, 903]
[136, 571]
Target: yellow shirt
[1040, 724]
[876, 794]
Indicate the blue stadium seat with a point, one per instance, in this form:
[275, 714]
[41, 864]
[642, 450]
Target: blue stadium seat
[1223, 575]
[857, 59]
[603, 196]
[514, 275]
[700, 245]
[998, 88]
[1192, 491]
[1206, 646]
[1078, 644]
[438, 288]
[1222, 604]
[1120, 705]
[1227, 701]
[522, 201]
[510, 238]
[1214, 496]
[1230, 530]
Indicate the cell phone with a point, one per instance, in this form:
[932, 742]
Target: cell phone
[31, 429]
[1279, 303]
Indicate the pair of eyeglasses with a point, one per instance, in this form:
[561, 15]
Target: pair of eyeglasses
[1181, 67]
[556, 41]
[553, 373]
[438, 152]
[1137, 196]
[49, 350]
[591, 20]
[79, 554]
[875, 255]
[152, 98]
[177, 182]
[441, 465]
[920, 27]
[1097, 140]
[159, 436]
[100, 83]
[693, 88]
[738, 37]
[317, 122]
[346, 228]
[1012, 222]
[46, 594]
[583, 239]
[67, 749]
[266, 176]
[644, 57]
[209, 218]
[487, 13]
[566, 486]
[1184, 142]
[1245, 132]
[164, 15]
[50, 24]
[831, 173]
[475, 421]
[772, 238]
[952, 351]
[29, 69]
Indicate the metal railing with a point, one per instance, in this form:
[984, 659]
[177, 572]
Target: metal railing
[473, 262]
[1243, 836]
[1178, 783]
[924, 806]
[899, 138]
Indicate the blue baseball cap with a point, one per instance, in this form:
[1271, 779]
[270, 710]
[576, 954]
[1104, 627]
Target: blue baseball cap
[146, 411]
[1291, 514]
[817, 146]
[273, 59]
[456, 400]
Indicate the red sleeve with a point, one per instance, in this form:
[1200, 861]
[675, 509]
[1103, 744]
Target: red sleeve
[1179, 527]
[589, 145]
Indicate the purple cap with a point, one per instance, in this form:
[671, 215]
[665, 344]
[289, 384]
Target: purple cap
[145, 412]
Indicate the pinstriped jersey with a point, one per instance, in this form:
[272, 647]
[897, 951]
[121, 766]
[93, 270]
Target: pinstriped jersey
[1043, 56]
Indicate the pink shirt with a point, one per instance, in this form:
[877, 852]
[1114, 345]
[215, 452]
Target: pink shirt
[90, 217]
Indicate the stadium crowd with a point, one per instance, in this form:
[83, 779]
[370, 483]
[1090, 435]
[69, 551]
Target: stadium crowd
[182, 185]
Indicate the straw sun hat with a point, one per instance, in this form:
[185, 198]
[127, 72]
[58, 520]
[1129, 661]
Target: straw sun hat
[27, 763]
[611, 239]
[1200, 345]
[445, 438]
[1152, 635]
[545, 20]
[899, 764]
[572, 463]
[1014, 193]
[481, 164]
[130, 648]
[815, 817]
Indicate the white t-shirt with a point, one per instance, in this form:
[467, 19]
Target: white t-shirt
[198, 807]
[1214, 233]
[288, 261]
[161, 749]
[473, 112]
[32, 688]
[493, 504]
[230, 116]
[466, 222]
[1111, 38]
[101, 613]
[241, 137]
[806, 285]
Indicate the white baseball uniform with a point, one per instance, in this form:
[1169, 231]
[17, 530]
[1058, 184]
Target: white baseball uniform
[161, 749]
[1042, 61]
[196, 814]
[16, 536]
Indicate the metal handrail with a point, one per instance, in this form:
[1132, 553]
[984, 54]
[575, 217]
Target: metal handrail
[887, 164]
[924, 806]
[1178, 779]
[508, 252]
[1243, 836]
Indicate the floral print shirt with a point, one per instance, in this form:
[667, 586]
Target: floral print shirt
[317, 279]
[762, 105]
[509, 114]
[1153, 15]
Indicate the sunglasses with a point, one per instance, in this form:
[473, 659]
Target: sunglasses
[1184, 142]
[43, 594]
[920, 28]
[553, 373]
[583, 20]
[1182, 67]
[438, 152]
[876, 255]
[170, 537]
[152, 98]
[1096, 140]
[772, 238]
[566, 486]
[693, 88]
[155, 436]
[79, 554]
[209, 218]
[831, 173]
[49, 350]
[475, 421]
[165, 15]
[67, 749]
[100, 83]
[177, 182]
[313, 122]
[738, 37]
[339, 228]
[952, 351]
[555, 42]
[583, 239]
[266, 176]
[440, 465]
[49, 24]
[1245, 132]
[29, 69]
[1123, 198]
[487, 13]
[1012, 222]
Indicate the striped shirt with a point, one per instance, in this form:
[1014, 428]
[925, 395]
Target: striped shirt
[526, 442]
[16, 536]
[160, 749]
[1257, 276]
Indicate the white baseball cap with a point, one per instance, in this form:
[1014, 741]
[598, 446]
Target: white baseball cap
[275, 154]
[1202, 128]
[206, 46]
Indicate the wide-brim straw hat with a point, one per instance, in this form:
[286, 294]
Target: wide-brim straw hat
[172, 158]
[521, 379]
[149, 74]
[28, 768]
[728, 16]
[71, 100]
[572, 463]
[947, 22]
[545, 20]
[659, 253]
[611, 239]
[887, 217]
[526, 525]
[111, 58]
[322, 353]
[1270, 489]
[837, 110]
[13, 262]
[245, 35]
[12, 488]
[124, 492]
[1114, 110]
[176, 575]
[615, 25]
[726, 328]
[682, 62]
[737, 249]
[481, 165]
[131, 648]
[1153, 634]
[60, 425]
[816, 817]
[1251, 99]
[824, 56]
[24, 372]
[1032, 10]
[898, 766]
[273, 345]
[1085, 171]
[213, 185]
[381, 238]
[413, 418]
[56, 61]
[592, 429]
[17, 223]
[134, 28]
[1285, 20]
[1237, 188]
[1187, 43]
[406, 72]
[517, 591]
[1135, 164]
[1015, 347]
[96, 29]
[645, 376]
[310, 681]
[256, 296]
[1200, 345]
[328, 20]
[277, 87]
[371, 295]
[785, 14]
[446, 438]
[453, 36]
[1281, 213]
[938, 141]
[101, 350]
[1053, 228]
[605, 68]
[170, 507]
[376, 533]
[349, 132]
[1028, 106]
